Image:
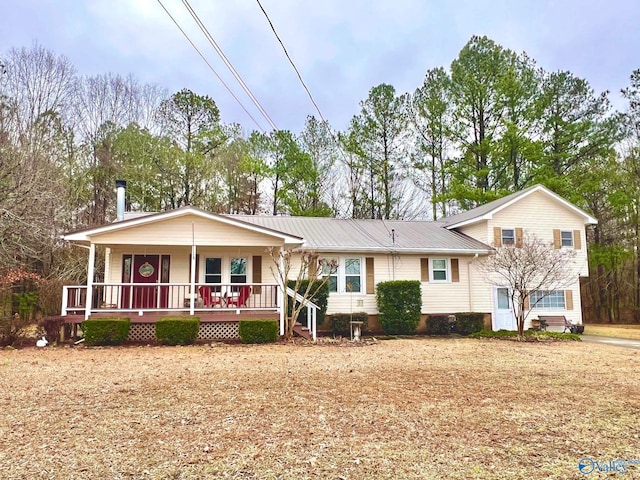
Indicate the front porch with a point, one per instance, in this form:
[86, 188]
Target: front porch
[220, 307]
[182, 262]
[192, 299]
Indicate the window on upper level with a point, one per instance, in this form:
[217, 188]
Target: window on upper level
[566, 238]
[508, 236]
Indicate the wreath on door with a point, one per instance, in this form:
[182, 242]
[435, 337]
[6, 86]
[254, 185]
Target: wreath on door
[146, 270]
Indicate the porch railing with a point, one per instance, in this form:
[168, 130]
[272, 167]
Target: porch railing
[169, 296]
[145, 297]
[312, 311]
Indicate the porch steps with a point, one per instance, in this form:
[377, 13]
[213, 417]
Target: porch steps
[301, 331]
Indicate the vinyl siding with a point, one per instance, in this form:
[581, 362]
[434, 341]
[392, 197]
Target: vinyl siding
[185, 231]
[479, 231]
[539, 216]
[436, 297]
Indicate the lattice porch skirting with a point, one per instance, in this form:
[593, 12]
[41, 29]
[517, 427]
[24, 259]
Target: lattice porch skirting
[208, 331]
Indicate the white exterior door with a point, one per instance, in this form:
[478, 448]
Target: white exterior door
[503, 318]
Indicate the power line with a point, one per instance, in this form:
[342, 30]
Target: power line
[273, 29]
[326, 123]
[210, 67]
[229, 65]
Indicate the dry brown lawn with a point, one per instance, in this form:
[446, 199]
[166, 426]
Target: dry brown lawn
[396, 409]
[619, 331]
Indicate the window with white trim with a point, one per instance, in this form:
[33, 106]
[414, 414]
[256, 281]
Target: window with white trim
[347, 276]
[566, 238]
[439, 270]
[547, 300]
[508, 236]
[238, 270]
[353, 275]
[213, 270]
[328, 271]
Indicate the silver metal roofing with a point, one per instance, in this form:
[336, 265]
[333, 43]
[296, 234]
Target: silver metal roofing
[340, 235]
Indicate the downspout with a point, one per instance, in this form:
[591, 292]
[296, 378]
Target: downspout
[90, 272]
[192, 280]
[281, 291]
[469, 282]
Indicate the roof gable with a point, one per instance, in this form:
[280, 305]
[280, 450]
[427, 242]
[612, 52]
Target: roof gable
[85, 236]
[486, 211]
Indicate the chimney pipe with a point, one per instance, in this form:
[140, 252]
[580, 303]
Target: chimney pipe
[121, 186]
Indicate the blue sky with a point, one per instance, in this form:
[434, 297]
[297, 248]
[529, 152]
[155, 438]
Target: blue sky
[342, 47]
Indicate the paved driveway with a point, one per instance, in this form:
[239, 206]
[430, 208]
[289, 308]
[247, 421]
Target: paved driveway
[618, 342]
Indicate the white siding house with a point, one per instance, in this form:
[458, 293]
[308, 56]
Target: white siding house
[175, 254]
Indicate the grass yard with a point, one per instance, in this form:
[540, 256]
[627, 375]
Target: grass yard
[619, 331]
[398, 409]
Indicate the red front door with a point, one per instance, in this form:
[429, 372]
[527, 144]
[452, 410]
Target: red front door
[146, 270]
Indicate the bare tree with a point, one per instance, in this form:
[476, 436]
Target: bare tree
[310, 268]
[532, 266]
[37, 82]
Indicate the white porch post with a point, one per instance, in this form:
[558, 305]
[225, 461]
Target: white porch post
[282, 291]
[192, 280]
[65, 300]
[314, 323]
[90, 273]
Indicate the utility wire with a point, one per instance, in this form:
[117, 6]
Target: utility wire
[273, 29]
[210, 67]
[229, 65]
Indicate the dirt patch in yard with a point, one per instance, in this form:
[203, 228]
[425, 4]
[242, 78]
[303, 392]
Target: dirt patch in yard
[415, 409]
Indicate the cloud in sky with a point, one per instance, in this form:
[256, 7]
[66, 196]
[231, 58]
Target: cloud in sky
[342, 47]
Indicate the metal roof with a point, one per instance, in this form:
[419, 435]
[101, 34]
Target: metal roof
[343, 235]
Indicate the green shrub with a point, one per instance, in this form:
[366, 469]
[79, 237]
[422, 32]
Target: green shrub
[258, 331]
[340, 322]
[469, 322]
[177, 330]
[27, 303]
[399, 304]
[529, 335]
[105, 331]
[438, 325]
[52, 326]
[496, 334]
[320, 299]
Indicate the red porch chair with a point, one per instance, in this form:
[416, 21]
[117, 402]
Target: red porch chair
[241, 299]
[205, 294]
[208, 299]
